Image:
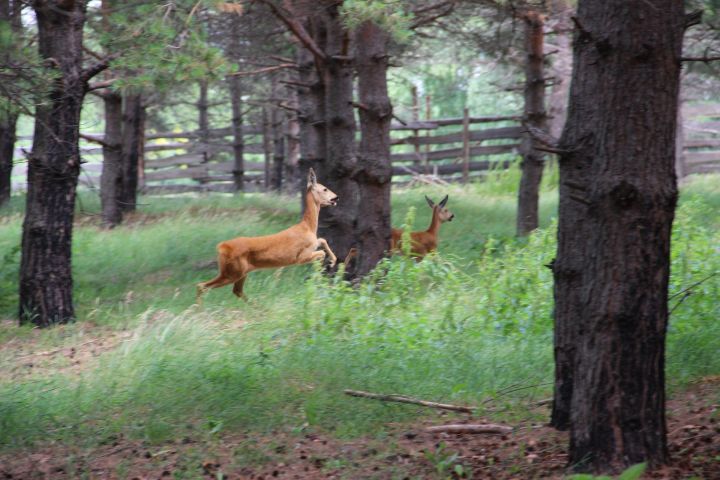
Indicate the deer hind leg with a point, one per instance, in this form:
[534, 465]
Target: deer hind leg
[219, 281]
[310, 256]
[238, 288]
[230, 272]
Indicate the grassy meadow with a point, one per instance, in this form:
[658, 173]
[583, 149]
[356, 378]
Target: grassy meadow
[470, 325]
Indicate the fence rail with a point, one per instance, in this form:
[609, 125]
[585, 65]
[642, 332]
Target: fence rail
[445, 148]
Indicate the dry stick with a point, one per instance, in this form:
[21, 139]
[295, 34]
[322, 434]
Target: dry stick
[413, 401]
[470, 428]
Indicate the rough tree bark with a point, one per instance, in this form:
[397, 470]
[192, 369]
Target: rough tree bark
[374, 170]
[311, 102]
[54, 165]
[292, 136]
[236, 100]
[237, 128]
[111, 179]
[8, 121]
[337, 224]
[133, 119]
[9, 12]
[267, 142]
[203, 120]
[278, 135]
[534, 116]
[617, 200]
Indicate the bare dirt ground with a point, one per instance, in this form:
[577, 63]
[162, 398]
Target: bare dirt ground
[407, 452]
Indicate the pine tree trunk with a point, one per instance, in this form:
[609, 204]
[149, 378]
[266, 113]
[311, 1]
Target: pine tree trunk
[292, 152]
[236, 92]
[132, 147]
[10, 11]
[267, 142]
[278, 135]
[237, 127]
[54, 165]
[8, 121]
[534, 115]
[111, 179]
[374, 168]
[617, 200]
[203, 120]
[337, 224]
[311, 102]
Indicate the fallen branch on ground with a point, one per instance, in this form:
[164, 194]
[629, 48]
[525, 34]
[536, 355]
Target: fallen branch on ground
[470, 428]
[412, 401]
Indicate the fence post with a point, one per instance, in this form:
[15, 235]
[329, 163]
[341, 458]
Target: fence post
[466, 145]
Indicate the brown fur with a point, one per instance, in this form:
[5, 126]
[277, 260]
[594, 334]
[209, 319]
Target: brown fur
[426, 241]
[293, 246]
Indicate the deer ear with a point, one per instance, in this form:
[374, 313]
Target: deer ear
[443, 202]
[311, 179]
[430, 202]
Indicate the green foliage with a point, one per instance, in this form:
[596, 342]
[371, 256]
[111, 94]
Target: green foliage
[160, 45]
[389, 15]
[632, 473]
[459, 327]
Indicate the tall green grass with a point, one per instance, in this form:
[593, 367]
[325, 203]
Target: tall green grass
[463, 326]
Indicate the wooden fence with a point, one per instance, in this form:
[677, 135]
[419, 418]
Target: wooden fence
[447, 149]
[440, 148]
[701, 144]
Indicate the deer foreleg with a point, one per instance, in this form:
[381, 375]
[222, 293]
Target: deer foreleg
[323, 243]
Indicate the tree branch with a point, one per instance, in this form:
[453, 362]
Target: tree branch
[297, 29]
[429, 19]
[90, 138]
[265, 70]
[700, 59]
[413, 401]
[89, 72]
[470, 428]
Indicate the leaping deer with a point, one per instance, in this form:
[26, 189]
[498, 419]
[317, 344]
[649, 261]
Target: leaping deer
[426, 241]
[293, 246]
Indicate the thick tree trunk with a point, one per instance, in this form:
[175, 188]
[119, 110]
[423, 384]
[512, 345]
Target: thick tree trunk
[617, 200]
[111, 180]
[337, 224]
[54, 165]
[311, 102]
[133, 118]
[8, 120]
[374, 168]
[534, 116]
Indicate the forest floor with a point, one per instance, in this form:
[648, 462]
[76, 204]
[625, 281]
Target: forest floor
[148, 385]
[531, 451]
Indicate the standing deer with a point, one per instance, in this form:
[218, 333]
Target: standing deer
[426, 241]
[293, 246]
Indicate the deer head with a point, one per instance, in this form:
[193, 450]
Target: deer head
[322, 195]
[443, 213]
